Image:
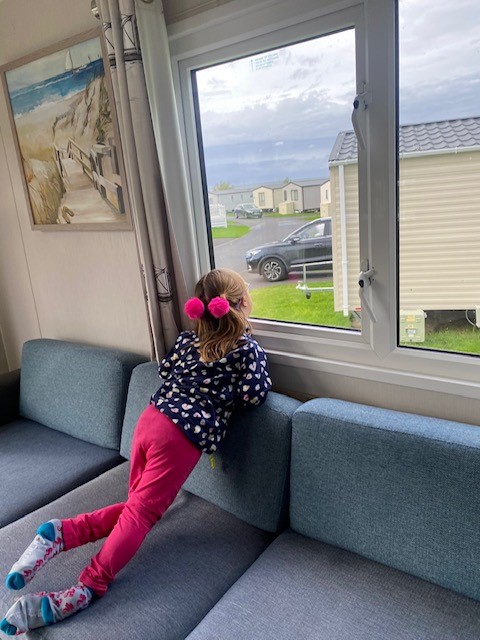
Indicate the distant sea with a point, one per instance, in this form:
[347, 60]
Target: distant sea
[54, 89]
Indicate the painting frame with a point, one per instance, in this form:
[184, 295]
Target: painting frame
[85, 175]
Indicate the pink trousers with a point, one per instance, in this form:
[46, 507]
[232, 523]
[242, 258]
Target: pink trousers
[162, 458]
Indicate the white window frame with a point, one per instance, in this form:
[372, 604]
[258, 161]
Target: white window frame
[245, 27]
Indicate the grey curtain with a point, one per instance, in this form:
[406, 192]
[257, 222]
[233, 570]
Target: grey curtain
[165, 282]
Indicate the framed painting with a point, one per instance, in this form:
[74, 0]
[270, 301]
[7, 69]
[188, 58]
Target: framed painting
[63, 120]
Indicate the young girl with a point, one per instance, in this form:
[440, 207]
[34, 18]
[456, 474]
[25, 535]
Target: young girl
[206, 375]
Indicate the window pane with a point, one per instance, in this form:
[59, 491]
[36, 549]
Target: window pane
[439, 175]
[272, 125]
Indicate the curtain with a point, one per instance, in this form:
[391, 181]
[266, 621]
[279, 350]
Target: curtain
[167, 280]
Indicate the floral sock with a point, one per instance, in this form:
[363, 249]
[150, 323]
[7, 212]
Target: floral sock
[46, 544]
[41, 609]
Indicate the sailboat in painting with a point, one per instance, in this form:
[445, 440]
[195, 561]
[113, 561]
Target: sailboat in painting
[68, 61]
[69, 66]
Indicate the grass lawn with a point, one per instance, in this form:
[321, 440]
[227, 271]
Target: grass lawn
[461, 340]
[233, 230]
[302, 217]
[284, 302]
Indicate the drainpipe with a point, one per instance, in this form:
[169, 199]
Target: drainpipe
[343, 238]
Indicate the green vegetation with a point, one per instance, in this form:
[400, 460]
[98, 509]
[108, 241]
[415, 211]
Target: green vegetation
[302, 217]
[285, 302]
[223, 186]
[104, 118]
[233, 230]
[454, 339]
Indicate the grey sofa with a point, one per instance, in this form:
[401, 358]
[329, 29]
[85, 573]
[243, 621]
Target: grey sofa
[216, 528]
[384, 536]
[60, 421]
[327, 520]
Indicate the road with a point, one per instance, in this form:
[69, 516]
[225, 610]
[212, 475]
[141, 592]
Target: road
[231, 253]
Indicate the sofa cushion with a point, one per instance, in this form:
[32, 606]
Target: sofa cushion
[77, 389]
[251, 474]
[143, 383]
[186, 563]
[397, 488]
[38, 464]
[304, 589]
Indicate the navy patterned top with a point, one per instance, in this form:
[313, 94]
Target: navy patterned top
[200, 396]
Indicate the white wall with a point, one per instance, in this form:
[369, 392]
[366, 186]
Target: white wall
[82, 285]
[305, 384]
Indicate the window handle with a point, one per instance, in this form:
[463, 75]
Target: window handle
[361, 102]
[365, 278]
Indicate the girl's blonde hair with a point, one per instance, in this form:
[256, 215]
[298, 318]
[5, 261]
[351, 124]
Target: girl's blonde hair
[219, 336]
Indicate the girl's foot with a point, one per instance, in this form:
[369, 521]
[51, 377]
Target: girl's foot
[42, 609]
[46, 544]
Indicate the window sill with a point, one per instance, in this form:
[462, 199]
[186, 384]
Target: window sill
[346, 353]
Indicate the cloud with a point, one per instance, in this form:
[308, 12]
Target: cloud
[311, 114]
[250, 163]
[303, 99]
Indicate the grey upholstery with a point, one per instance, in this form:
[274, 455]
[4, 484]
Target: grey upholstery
[188, 561]
[251, 476]
[397, 488]
[39, 464]
[77, 389]
[302, 589]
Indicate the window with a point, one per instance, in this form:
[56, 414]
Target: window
[365, 197]
[439, 176]
[254, 129]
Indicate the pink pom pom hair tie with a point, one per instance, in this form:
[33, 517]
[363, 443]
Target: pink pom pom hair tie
[194, 308]
[218, 307]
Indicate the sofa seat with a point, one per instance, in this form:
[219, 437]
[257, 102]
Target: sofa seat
[308, 590]
[40, 464]
[187, 562]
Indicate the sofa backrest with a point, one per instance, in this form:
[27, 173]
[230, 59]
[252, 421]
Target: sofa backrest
[78, 389]
[251, 474]
[398, 488]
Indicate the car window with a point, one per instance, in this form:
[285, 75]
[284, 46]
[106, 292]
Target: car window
[313, 231]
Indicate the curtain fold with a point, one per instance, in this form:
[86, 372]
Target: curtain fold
[164, 277]
[166, 127]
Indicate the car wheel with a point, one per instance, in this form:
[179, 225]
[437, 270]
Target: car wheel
[273, 270]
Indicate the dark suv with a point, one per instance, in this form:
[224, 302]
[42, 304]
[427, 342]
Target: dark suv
[247, 210]
[310, 243]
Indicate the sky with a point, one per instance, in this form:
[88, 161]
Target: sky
[52, 65]
[277, 114]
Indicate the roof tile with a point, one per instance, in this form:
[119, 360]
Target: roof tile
[426, 136]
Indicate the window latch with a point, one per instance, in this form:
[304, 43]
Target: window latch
[365, 278]
[361, 102]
